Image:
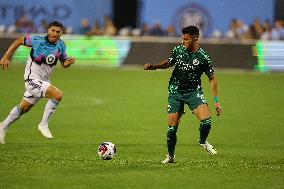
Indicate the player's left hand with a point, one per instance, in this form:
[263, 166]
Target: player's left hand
[218, 108]
[70, 60]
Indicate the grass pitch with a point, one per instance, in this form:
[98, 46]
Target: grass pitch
[128, 108]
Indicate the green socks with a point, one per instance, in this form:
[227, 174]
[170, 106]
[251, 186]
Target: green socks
[171, 139]
[205, 126]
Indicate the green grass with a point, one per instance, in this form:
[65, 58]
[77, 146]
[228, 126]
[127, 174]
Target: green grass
[128, 108]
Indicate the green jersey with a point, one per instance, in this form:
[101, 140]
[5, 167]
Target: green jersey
[189, 67]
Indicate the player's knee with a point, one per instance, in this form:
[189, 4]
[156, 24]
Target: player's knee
[59, 96]
[25, 109]
[174, 118]
[173, 121]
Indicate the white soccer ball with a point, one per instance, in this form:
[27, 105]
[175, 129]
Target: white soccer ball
[106, 150]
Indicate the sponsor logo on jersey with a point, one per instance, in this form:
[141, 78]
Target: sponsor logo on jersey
[195, 62]
[50, 59]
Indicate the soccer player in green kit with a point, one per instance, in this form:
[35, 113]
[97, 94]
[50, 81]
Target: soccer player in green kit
[190, 62]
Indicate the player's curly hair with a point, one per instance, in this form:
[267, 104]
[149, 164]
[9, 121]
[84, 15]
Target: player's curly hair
[191, 30]
[55, 23]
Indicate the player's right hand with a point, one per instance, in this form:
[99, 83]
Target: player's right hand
[4, 63]
[149, 67]
[218, 108]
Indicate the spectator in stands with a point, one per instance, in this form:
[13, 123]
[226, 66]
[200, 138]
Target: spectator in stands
[24, 25]
[145, 30]
[42, 27]
[266, 34]
[84, 27]
[242, 28]
[157, 30]
[237, 29]
[250, 34]
[258, 28]
[232, 28]
[109, 28]
[95, 29]
[277, 32]
[170, 32]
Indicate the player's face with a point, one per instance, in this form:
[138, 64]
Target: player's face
[54, 34]
[188, 40]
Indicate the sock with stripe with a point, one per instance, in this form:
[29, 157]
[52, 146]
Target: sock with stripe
[48, 111]
[12, 117]
[204, 129]
[171, 140]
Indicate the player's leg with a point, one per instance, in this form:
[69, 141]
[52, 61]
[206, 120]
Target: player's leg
[14, 114]
[203, 114]
[173, 122]
[199, 107]
[55, 96]
[175, 110]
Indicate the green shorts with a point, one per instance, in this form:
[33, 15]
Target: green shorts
[176, 101]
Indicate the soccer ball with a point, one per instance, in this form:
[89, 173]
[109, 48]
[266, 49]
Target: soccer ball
[106, 150]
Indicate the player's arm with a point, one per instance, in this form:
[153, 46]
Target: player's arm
[162, 65]
[4, 63]
[214, 91]
[68, 62]
[64, 59]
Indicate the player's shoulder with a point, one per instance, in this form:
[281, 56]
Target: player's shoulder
[179, 48]
[35, 37]
[204, 54]
[202, 51]
[32, 40]
[61, 43]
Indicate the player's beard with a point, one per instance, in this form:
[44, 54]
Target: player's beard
[53, 39]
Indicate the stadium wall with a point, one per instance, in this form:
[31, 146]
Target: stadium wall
[224, 54]
[114, 52]
[5, 42]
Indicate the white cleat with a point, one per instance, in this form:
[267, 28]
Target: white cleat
[2, 134]
[169, 159]
[210, 149]
[45, 131]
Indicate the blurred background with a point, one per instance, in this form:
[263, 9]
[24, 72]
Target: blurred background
[109, 33]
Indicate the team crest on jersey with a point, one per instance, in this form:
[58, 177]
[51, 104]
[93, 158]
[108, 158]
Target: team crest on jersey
[50, 59]
[195, 62]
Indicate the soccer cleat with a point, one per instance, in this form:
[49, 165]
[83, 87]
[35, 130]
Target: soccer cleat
[2, 134]
[169, 159]
[45, 131]
[210, 149]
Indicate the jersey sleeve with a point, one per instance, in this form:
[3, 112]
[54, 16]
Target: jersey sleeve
[31, 41]
[172, 59]
[63, 55]
[207, 66]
